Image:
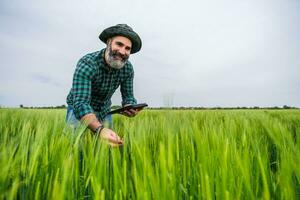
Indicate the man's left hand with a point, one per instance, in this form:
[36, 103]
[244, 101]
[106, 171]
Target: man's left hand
[131, 112]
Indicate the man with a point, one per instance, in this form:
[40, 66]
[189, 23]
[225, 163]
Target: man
[96, 78]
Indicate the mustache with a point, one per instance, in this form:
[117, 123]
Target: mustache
[116, 53]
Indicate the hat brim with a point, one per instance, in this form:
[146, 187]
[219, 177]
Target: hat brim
[120, 31]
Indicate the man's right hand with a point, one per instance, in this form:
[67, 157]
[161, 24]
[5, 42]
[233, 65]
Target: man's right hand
[106, 134]
[112, 137]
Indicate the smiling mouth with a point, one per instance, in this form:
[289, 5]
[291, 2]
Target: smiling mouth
[118, 58]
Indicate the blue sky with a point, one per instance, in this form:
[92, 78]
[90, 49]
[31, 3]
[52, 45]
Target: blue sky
[195, 53]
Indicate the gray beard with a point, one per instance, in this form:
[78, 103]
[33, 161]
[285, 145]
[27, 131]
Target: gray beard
[116, 64]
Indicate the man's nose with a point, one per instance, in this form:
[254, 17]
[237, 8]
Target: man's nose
[122, 51]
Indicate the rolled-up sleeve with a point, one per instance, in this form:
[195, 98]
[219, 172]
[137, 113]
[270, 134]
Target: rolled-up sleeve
[81, 88]
[127, 90]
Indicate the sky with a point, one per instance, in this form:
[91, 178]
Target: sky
[194, 53]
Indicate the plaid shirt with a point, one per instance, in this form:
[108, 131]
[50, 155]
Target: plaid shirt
[94, 83]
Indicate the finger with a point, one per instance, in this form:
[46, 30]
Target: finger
[133, 111]
[128, 113]
[114, 144]
[117, 142]
[121, 142]
[125, 114]
[115, 139]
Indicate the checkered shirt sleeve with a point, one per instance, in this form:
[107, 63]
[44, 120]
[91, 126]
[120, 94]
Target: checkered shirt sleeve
[127, 90]
[81, 88]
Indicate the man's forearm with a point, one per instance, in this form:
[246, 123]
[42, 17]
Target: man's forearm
[91, 121]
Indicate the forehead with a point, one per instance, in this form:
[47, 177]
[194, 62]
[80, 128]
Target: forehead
[122, 39]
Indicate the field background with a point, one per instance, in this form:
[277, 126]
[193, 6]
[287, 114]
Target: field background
[203, 154]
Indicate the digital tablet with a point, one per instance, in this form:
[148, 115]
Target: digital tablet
[134, 106]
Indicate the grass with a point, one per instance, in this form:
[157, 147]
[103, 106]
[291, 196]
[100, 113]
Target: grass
[232, 154]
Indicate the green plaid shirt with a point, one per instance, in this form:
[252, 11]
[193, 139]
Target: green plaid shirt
[94, 83]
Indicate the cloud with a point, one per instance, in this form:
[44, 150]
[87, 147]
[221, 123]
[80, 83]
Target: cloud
[45, 80]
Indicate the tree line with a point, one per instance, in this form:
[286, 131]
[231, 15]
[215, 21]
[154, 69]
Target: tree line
[173, 108]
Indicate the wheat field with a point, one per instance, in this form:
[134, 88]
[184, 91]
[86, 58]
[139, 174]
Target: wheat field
[167, 154]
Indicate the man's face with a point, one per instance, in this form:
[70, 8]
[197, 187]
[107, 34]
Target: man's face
[117, 51]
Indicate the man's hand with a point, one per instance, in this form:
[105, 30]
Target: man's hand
[131, 112]
[106, 134]
[110, 136]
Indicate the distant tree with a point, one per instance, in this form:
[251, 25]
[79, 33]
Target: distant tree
[21, 106]
[286, 107]
[62, 106]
